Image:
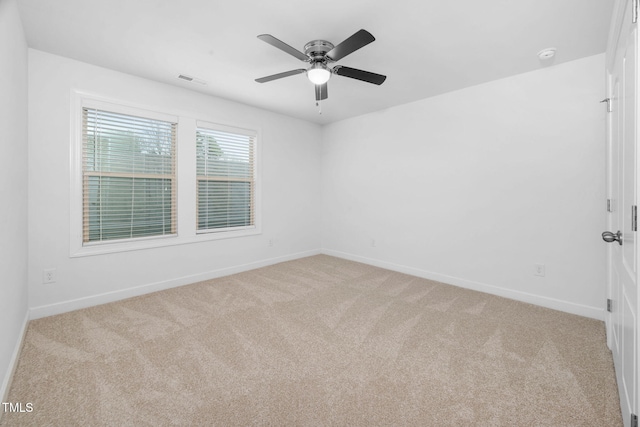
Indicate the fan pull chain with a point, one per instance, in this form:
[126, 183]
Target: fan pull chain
[319, 107]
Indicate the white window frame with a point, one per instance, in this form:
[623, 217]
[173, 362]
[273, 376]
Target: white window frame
[186, 204]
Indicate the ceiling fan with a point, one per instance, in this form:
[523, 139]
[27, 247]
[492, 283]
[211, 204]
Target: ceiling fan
[319, 53]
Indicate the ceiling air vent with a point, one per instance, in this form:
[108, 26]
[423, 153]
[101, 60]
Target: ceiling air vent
[192, 79]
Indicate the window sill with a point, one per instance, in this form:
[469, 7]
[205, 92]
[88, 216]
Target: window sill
[103, 248]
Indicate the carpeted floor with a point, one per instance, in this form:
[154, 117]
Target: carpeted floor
[313, 342]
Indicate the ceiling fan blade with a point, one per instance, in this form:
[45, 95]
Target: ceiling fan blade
[321, 92]
[365, 76]
[350, 45]
[281, 75]
[268, 38]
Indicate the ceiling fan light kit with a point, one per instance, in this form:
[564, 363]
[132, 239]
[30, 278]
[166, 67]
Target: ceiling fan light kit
[319, 74]
[321, 52]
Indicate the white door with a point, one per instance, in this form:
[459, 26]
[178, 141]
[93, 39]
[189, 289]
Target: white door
[622, 176]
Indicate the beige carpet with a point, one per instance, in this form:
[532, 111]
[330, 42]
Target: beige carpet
[313, 342]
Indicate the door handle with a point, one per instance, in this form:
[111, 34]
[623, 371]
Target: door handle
[610, 237]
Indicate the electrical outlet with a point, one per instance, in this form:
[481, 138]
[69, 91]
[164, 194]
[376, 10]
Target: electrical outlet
[539, 270]
[49, 276]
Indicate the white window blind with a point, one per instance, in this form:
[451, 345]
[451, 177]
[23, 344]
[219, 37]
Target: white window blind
[225, 179]
[129, 178]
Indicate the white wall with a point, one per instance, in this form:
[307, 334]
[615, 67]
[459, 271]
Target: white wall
[289, 168]
[13, 187]
[476, 186]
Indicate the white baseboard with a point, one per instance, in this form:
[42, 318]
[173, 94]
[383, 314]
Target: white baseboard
[13, 363]
[76, 304]
[555, 304]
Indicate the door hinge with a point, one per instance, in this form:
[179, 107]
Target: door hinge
[609, 207]
[608, 101]
[634, 420]
[634, 218]
[609, 305]
[634, 11]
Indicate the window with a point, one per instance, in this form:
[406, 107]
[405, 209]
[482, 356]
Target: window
[225, 178]
[144, 177]
[128, 176]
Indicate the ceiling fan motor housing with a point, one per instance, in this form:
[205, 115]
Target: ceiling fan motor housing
[317, 49]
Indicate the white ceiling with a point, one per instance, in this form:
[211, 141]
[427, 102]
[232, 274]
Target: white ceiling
[425, 47]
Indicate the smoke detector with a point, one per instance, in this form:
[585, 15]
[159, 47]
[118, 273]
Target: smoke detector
[547, 53]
